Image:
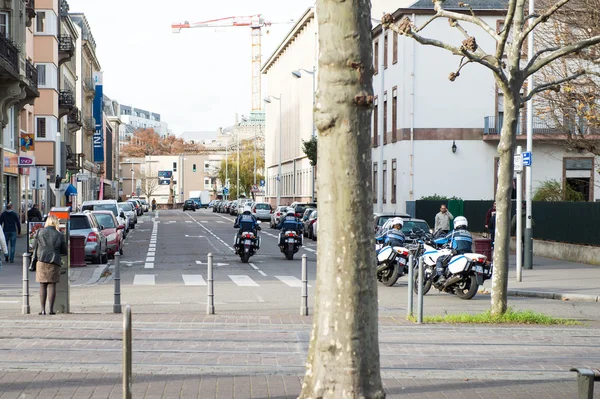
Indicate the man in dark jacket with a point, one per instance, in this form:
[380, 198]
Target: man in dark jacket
[11, 225]
[34, 214]
[490, 221]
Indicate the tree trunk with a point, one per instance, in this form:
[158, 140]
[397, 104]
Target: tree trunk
[343, 358]
[506, 149]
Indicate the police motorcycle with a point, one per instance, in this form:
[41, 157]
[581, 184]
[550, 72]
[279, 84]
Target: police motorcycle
[392, 261]
[463, 274]
[246, 243]
[290, 240]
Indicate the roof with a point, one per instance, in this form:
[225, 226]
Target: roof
[475, 4]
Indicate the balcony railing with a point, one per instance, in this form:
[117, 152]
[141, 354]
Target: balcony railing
[493, 125]
[89, 85]
[66, 99]
[64, 8]
[30, 8]
[31, 72]
[74, 118]
[9, 52]
[89, 124]
[66, 44]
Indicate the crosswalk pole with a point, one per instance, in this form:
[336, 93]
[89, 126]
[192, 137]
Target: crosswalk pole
[117, 304]
[411, 285]
[127, 354]
[420, 294]
[26, 263]
[210, 300]
[304, 303]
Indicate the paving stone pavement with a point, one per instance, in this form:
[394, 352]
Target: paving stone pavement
[198, 356]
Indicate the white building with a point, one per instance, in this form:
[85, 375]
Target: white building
[423, 114]
[136, 118]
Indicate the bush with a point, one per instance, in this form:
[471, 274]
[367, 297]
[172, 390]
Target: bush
[552, 190]
[436, 197]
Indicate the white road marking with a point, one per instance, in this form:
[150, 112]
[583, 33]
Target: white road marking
[166, 303]
[199, 262]
[195, 236]
[150, 259]
[193, 279]
[152, 245]
[253, 266]
[151, 250]
[309, 249]
[263, 273]
[149, 265]
[144, 279]
[212, 234]
[269, 234]
[189, 221]
[243, 281]
[9, 301]
[291, 281]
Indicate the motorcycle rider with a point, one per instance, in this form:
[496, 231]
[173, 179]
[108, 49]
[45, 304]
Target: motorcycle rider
[289, 222]
[461, 242]
[246, 222]
[395, 237]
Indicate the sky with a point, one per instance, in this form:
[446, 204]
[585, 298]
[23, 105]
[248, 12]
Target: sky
[197, 79]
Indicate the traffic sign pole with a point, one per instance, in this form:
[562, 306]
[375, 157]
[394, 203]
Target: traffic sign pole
[519, 232]
[528, 244]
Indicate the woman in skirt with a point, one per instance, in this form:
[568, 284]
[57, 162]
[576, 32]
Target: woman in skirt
[48, 247]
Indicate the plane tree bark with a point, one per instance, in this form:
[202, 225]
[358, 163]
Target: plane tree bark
[510, 74]
[343, 357]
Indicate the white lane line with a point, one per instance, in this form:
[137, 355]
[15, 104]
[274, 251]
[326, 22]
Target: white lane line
[269, 234]
[9, 301]
[253, 266]
[211, 233]
[291, 281]
[193, 279]
[309, 249]
[243, 281]
[149, 265]
[151, 252]
[189, 221]
[144, 279]
[150, 259]
[166, 303]
[226, 218]
[152, 245]
[263, 273]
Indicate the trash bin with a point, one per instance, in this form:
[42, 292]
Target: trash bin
[484, 246]
[77, 251]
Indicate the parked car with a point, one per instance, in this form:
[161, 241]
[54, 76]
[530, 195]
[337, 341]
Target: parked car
[197, 202]
[277, 213]
[262, 210]
[130, 212]
[85, 224]
[307, 229]
[233, 207]
[300, 207]
[215, 206]
[315, 229]
[145, 204]
[188, 205]
[380, 218]
[112, 230]
[137, 205]
[243, 203]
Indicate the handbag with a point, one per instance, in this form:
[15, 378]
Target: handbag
[33, 265]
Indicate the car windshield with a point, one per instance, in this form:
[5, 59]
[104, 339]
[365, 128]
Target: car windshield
[414, 225]
[79, 223]
[263, 207]
[126, 207]
[105, 220]
[100, 207]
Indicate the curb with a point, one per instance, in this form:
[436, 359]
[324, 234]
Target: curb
[98, 272]
[555, 295]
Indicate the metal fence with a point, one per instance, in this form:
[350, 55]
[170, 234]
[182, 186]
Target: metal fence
[569, 222]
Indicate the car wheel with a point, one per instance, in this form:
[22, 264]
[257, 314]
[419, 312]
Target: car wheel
[121, 250]
[104, 258]
[96, 260]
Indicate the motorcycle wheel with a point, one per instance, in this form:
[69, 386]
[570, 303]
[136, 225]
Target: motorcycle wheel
[467, 289]
[245, 257]
[289, 255]
[389, 277]
[427, 282]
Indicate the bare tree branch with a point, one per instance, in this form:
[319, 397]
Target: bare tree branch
[510, 15]
[561, 52]
[552, 85]
[539, 53]
[466, 18]
[542, 18]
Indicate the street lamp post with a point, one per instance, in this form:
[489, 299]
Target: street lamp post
[528, 259]
[298, 74]
[268, 101]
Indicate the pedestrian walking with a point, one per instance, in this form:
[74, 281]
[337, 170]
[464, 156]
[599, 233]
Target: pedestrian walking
[153, 204]
[34, 214]
[11, 226]
[490, 222]
[442, 220]
[48, 246]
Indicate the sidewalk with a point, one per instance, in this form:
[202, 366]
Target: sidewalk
[555, 279]
[239, 356]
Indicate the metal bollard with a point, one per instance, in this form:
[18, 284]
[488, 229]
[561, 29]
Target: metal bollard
[26, 264]
[117, 304]
[420, 294]
[304, 295]
[210, 300]
[411, 285]
[127, 354]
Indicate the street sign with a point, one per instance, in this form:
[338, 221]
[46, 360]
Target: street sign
[83, 177]
[262, 183]
[37, 178]
[255, 188]
[527, 158]
[225, 190]
[518, 163]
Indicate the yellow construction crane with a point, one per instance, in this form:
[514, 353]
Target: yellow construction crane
[256, 23]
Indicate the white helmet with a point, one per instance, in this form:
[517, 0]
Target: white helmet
[396, 221]
[247, 209]
[460, 221]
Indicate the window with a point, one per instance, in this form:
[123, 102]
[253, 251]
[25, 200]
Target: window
[385, 51]
[394, 48]
[375, 182]
[40, 22]
[207, 184]
[4, 28]
[40, 128]
[376, 57]
[394, 114]
[206, 166]
[385, 114]
[394, 177]
[41, 70]
[384, 181]
[375, 124]
[174, 166]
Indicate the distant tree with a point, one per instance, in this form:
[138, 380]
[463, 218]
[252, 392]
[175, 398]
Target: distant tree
[552, 190]
[437, 197]
[149, 183]
[246, 170]
[147, 142]
[310, 150]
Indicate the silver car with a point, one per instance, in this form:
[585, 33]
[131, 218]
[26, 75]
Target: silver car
[262, 210]
[130, 213]
[277, 213]
[85, 224]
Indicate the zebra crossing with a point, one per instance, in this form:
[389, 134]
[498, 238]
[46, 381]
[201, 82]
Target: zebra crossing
[241, 280]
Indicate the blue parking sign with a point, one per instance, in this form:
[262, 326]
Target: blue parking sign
[262, 183]
[527, 158]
